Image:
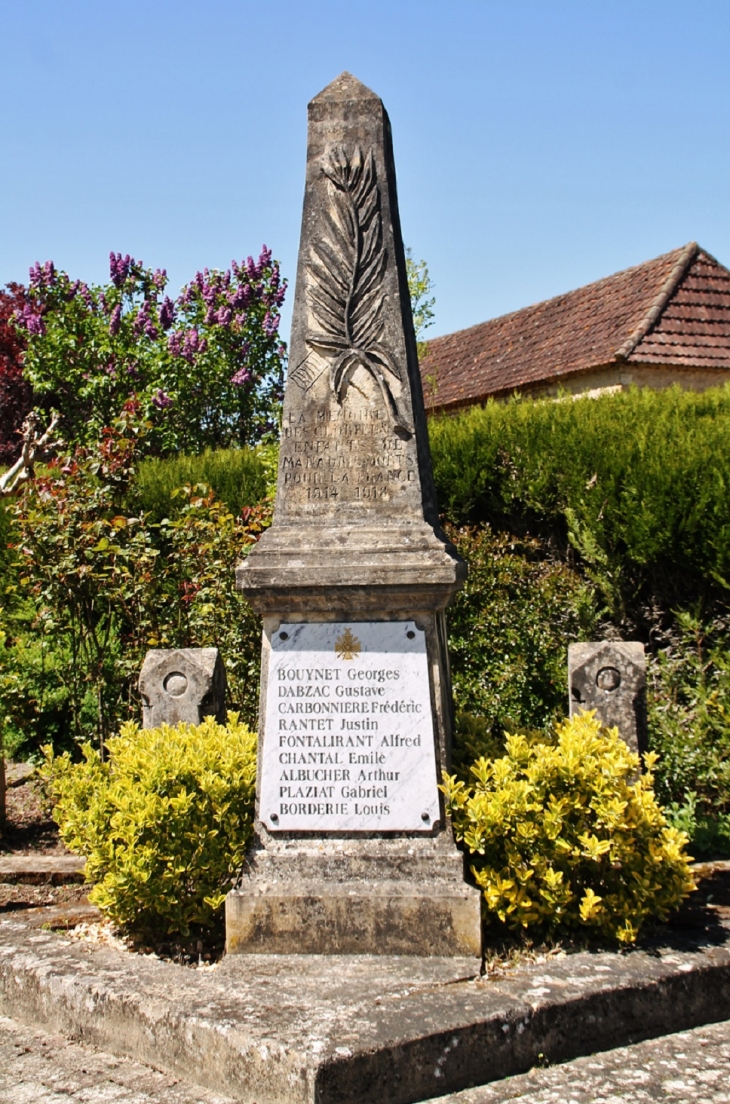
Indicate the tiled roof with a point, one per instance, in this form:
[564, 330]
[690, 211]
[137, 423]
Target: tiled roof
[673, 310]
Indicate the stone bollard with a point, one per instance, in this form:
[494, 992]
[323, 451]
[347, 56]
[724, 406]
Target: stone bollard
[610, 677]
[182, 685]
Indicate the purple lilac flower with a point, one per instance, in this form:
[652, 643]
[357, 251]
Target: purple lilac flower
[161, 400]
[242, 376]
[174, 343]
[132, 370]
[191, 345]
[271, 324]
[111, 370]
[223, 316]
[32, 320]
[42, 275]
[115, 321]
[151, 330]
[119, 268]
[160, 278]
[167, 313]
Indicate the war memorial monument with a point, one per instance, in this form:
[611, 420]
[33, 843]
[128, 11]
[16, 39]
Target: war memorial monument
[353, 853]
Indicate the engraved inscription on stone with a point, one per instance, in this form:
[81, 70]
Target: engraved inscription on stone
[349, 741]
[348, 453]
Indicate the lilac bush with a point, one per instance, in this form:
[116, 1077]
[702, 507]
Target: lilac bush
[206, 368]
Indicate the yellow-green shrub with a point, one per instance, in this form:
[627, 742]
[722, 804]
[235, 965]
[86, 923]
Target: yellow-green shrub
[565, 837]
[163, 823]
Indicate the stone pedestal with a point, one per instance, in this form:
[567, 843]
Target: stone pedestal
[352, 852]
[610, 677]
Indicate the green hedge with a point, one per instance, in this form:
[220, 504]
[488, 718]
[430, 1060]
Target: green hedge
[636, 483]
[239, 477]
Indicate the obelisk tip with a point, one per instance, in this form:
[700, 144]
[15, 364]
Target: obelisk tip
[345, 88]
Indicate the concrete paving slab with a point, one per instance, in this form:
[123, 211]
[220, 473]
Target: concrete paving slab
[295, 1029]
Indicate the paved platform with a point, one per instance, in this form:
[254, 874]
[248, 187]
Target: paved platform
[366, 1030]
[39, 1068]
[363, 1029]
[688, 1066]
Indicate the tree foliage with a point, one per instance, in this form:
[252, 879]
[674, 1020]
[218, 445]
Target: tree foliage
[94, 581]
[635, 487]
[420, 288]
[206, 369]
[509, 630]
[15, 391]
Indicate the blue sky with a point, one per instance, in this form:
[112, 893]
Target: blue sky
[540, 144]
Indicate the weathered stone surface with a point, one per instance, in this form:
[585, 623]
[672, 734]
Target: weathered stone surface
[610, 677]
[38, 1067]
[300, 1029]
[354, 542]
[354, 896]
[690, 1065]
[355, 504]
[182, 685]
[18, 773]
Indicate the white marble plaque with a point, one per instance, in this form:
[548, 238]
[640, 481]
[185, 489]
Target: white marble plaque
[348, 742]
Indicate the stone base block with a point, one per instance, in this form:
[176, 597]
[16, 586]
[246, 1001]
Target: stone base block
[351, 918]
[346, 896]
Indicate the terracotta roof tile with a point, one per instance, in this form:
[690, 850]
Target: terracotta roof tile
[674, 309]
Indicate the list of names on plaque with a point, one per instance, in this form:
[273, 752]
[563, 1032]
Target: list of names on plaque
[349, 742]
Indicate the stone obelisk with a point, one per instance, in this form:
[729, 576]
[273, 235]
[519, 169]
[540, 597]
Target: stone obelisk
[353, 853]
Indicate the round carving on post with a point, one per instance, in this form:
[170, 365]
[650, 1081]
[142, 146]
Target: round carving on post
[608, 678]
[175, 684]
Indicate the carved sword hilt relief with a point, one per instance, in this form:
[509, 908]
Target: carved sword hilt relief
[346, 296]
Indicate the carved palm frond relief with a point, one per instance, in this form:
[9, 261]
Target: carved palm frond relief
[346, 266]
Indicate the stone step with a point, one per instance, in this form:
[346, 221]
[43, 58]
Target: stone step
[26, 868]
[366, 1029]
